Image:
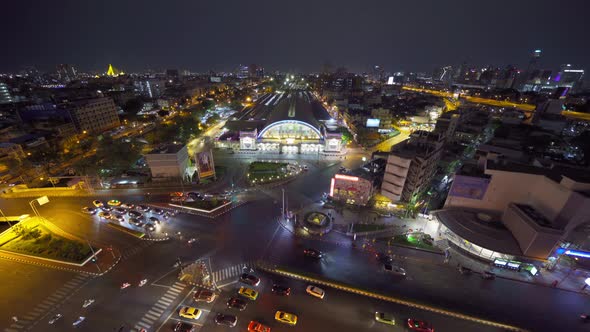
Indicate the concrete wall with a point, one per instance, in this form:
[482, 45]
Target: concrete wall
[521, 230]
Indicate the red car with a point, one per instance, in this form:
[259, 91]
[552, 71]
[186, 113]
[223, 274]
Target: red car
[420, 326]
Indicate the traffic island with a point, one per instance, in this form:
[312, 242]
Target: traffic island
[38, 241]
[316, 223]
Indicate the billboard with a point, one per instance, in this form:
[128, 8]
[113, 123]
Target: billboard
[215, 79]
[373, 123]
[205, 166]
[469, 187]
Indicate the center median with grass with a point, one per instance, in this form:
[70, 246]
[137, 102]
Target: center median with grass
[36, 239]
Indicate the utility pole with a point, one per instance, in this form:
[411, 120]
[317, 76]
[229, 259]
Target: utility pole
[93, 256]
[3, 216]
[283, 210]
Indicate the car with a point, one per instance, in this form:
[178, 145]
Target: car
[154, 220]
[97, 203]
[227, 320]
[236, 303]
[119, 210]
[104, 215]
[250, 279]
[420, 326]
[204, 295]
[134, 214]
[389, 268]
[281, 290]
[135, 222]
[157, 211]
[384, 318]
[313, 253]
[255, 326]
[189, 312]
[114, 202]
[183, 327]
[305, 167]
[142, 208]
[55, 318]
[315, 291]
[248, 293]
[117, 218]
[150, 227]
[106, 208]
[383, 258]
[88, 210]
[286, 318]
[127, 206]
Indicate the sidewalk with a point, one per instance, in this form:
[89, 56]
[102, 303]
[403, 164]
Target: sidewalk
[567, 279]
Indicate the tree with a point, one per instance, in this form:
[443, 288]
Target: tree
[213, 119]
[208, 104]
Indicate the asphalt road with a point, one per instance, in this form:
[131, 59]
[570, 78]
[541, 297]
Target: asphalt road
[246, 234]
[338, 311]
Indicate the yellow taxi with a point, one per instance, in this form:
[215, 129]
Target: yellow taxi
[189, 312]
[114, 202]
[248, 293]
[286, 318]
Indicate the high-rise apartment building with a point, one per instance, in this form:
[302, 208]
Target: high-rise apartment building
[94, 115]
[411, 165]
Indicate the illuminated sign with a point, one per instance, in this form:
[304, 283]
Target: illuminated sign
[332, 188]
[570, 252]
[373, 123]
[346, 177]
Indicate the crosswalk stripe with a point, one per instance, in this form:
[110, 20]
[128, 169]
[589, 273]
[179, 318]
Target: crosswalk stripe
[169, 297]
[61, 292]
[30, 317]
[154, 317]
[143, 325]
[180, 288]
[166, 302]
[10, 330]
[17, 326]
[154, 312]
[159, 305]
[173, 292]
[146, 320]
[38, 309]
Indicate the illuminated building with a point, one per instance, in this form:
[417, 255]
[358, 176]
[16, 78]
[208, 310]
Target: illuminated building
[5, 96]
[66, 73]
[291, 122]
[351, 189]
[508, 210]
[114, 72]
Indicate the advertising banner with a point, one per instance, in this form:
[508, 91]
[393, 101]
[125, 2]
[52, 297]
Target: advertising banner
[205, 166]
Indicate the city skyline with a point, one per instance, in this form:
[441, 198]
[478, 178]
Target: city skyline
[201, 37]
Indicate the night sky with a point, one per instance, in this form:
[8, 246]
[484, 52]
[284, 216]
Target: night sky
[291, 35]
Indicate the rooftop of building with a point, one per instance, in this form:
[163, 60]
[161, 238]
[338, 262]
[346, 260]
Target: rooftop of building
[484, 229]
[535, 216]
[298, 105]
[167, 149]
[555, 173]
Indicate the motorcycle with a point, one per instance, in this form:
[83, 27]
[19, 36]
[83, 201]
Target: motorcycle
[464, 270]
[79, 321]
[143, 282]
[585, 317]
[55, 319]
[125, 285]
[87, 303]
[191, 241]
[488, 275]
